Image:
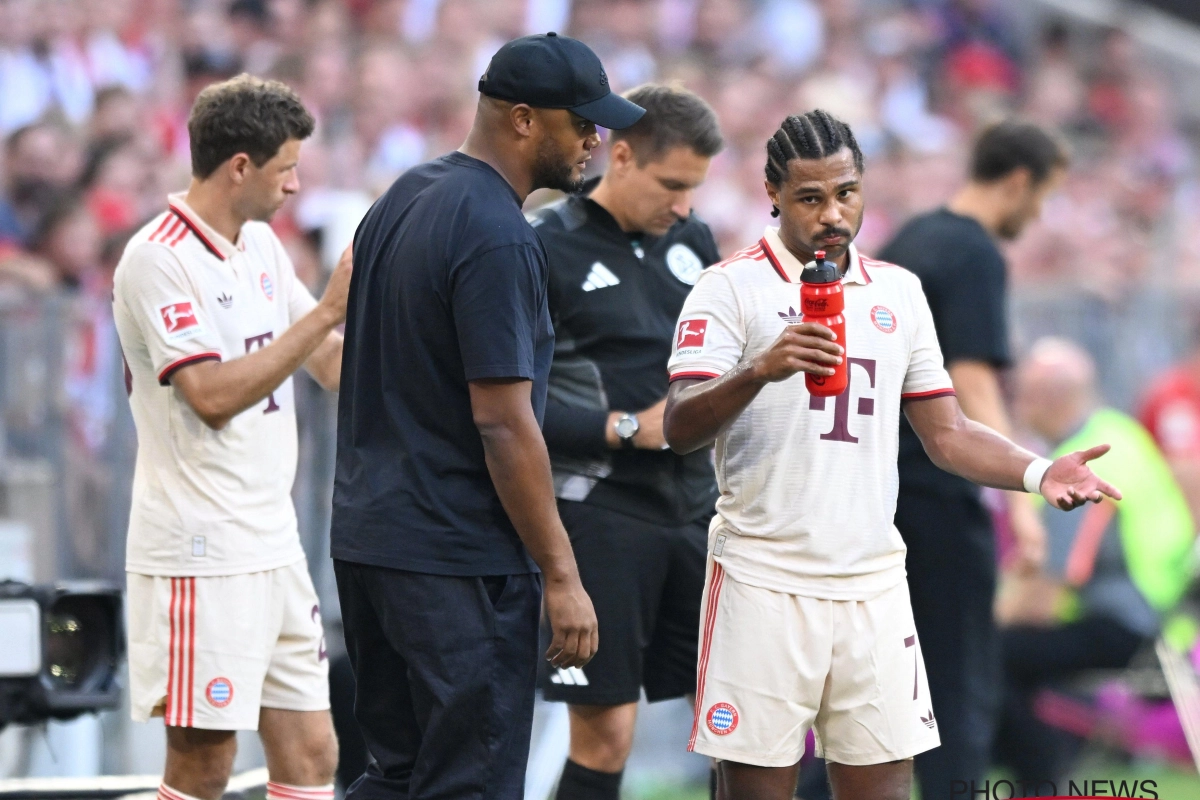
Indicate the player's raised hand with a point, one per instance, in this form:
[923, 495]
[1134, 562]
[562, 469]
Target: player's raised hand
[338, 288]
[1069, 482]
[807, 347]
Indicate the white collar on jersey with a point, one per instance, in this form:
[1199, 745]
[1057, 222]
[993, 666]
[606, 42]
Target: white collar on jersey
[207, 234]
[790, 267]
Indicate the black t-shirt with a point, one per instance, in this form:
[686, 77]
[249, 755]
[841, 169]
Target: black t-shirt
[615, 300]
[449, 286]
[963, 275]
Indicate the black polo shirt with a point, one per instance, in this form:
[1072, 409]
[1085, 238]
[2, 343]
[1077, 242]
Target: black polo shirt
[963, 275]
[449, 286]
[615, 299]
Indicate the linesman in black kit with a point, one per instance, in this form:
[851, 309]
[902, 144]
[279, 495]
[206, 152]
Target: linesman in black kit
[623, 255]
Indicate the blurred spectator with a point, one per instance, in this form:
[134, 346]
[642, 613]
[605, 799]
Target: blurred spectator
[393, 84]
[1113, 568]
[249, 23]
[1170, 410]
[40, 160]
[951, 561]
[115, 178]
[68, 238]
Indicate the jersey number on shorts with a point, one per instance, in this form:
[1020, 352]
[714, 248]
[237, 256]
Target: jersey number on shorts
[257, 343]
[841, 403]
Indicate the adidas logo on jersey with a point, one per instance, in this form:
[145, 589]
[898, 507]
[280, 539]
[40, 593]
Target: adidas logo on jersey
[571, 676]
[599, 278]
[225, 300]
[930, 722]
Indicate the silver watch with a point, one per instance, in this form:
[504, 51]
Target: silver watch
[627, 427]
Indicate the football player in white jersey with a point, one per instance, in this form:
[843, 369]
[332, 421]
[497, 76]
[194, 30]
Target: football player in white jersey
[224, 626]
[806, 620]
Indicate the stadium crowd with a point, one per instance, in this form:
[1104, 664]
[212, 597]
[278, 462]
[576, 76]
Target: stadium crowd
[94, 97]
[95, 94]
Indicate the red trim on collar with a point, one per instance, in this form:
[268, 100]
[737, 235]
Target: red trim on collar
[863, 269]
[196, 230]
[774, 261]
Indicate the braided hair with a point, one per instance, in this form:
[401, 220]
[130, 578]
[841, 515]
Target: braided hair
[813, 135]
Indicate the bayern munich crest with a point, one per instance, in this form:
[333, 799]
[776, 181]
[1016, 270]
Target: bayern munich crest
[219, 692]
[722, 719]
[267, 287]
[884, 319]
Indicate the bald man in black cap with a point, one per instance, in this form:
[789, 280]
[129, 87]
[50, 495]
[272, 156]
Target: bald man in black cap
[443, 506]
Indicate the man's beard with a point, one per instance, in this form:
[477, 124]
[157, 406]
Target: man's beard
[32, 191]
[552, 170]
[1011, 227]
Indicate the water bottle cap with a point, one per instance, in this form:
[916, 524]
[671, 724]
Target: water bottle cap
[820, 270]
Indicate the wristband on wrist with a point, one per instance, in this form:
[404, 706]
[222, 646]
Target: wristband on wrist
[1034, 474]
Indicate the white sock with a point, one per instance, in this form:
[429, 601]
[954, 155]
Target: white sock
[167, 793]
[283, 791]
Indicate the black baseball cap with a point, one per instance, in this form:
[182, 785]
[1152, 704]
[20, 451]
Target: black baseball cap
[552, 71]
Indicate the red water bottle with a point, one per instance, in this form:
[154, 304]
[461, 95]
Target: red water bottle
[821, 301]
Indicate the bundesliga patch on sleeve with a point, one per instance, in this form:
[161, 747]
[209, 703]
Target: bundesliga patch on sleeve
[179, 321]
[689, 339]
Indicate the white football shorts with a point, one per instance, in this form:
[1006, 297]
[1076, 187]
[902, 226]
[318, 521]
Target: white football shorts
[209, 652]
[773, 665]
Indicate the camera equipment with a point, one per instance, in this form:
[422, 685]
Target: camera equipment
[60, 649]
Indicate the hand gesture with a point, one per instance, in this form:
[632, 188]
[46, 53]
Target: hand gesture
[807, 347]
[1069, 482]
[338, 288]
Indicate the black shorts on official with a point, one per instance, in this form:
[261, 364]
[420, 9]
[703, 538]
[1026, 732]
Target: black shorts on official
[645, 581]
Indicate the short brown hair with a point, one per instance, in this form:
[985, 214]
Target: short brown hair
[674, 117]
[247, 115]
[1009, 145]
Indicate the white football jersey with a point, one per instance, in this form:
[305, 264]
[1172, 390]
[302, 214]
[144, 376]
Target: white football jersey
[808, 484]
[206, 502]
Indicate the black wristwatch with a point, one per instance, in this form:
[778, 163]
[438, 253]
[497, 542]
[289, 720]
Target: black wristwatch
[627, 427]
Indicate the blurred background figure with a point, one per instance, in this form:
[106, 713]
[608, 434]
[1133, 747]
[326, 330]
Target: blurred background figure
[1170, 410]
[1113, 569]
[955, 251]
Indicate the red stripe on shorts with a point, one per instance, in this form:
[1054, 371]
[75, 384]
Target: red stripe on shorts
[170, 660]
[710, 621]
[191, 673]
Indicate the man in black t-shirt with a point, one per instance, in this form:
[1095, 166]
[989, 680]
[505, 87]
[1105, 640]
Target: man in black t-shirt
[623, 255]
[951, 550]
[443, 506]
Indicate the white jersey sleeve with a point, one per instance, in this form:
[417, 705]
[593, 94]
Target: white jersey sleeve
[926, 375]
[164, 304]
[711, 335]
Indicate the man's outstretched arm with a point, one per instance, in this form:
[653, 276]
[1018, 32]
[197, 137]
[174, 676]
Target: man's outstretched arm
[982, 456]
